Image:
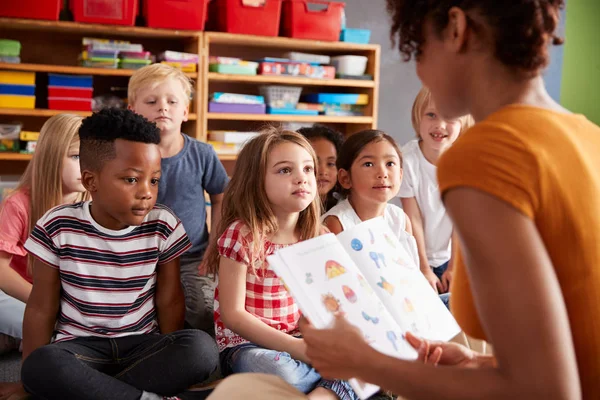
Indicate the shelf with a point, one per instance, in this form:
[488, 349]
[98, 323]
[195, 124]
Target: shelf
[291, 118]
[227, 157]
[285, 43]
[289, 80]
[14, 157]
[65, 69]
[27, 157]
[38, 112]
[81, 28]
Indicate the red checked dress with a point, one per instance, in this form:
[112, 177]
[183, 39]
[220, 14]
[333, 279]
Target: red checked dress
[266, 297]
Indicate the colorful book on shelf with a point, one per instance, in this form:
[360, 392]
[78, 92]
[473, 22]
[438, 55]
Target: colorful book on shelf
[367, 274]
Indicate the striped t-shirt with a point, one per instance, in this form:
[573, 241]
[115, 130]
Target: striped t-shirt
[108, 278]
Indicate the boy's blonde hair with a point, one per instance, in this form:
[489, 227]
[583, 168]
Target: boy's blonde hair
[245, 198]
[154, 74]
[422, 101]
[43, 177]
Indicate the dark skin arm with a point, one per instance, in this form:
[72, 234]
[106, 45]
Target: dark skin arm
[42, 307]
[169, 300]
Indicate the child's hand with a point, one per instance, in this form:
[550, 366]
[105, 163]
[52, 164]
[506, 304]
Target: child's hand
[434, 281]
[443, 353]
[446, 280]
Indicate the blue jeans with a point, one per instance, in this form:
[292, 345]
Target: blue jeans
[11, 316]
[439, 271]
[130, 367]
[252, 358]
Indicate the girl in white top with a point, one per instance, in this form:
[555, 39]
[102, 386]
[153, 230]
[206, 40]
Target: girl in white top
[370, 174]
[419, 191]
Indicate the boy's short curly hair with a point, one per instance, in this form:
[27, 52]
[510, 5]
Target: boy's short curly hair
[98, 133]
[521, 29]
[318, 131]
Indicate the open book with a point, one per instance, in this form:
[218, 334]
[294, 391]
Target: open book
[369, 275]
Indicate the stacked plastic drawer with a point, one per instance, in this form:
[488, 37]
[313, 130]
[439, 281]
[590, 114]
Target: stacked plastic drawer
[70, 92]
[17, 89]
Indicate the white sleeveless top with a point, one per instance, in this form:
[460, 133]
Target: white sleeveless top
[393, 215]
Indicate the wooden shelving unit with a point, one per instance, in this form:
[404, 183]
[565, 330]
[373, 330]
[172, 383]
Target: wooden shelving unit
[53, 47]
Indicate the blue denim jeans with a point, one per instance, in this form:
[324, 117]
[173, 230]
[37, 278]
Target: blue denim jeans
[11, 316]
[132, 367]
[439, 271]
[252, 358]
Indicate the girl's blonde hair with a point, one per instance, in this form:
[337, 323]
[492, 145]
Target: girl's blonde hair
[42, 178]
[245, 198]
[422, 101]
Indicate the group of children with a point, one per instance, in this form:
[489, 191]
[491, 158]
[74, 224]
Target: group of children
[107, 264]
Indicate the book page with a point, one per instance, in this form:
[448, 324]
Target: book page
[323, 280]
[389, 266]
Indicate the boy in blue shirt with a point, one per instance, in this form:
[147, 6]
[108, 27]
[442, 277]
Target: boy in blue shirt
[189, 167]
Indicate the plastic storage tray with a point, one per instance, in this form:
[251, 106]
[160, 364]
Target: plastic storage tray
[69, 104]
[22, 90]
[14, 101]
[290, 111]
[351, 35]
[66, 91]
[299, 21]
[281, 96]
[34, 9]
[233, 69]
[236, 108]
[337, 98]
[17, 78]
[112, 12]
[70, 80]
[175, 14]
[234, 16]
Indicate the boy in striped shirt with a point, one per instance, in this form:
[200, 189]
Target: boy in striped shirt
[104, 317]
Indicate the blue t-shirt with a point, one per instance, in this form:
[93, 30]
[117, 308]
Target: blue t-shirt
[184, 178]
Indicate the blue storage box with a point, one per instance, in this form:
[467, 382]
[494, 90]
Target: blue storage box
[70, 80]
[337, 98]
[360, 36]
[290, 111]
[21, 90]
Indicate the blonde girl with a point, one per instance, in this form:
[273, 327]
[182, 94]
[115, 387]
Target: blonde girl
[51, 178]
[419, 191]
[271, 202]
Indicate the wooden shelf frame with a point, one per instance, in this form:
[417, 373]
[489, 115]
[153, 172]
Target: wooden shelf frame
[197, 42]
[74, 70]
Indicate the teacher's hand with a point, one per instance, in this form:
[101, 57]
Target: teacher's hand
[336, 353]
[443, 353]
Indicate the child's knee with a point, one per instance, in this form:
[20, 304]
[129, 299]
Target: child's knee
[42, 361]
[200, 350]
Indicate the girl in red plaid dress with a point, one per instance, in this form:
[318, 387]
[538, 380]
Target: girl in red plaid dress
[271, 202]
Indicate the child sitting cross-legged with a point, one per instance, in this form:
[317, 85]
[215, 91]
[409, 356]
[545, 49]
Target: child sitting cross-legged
[104, 316]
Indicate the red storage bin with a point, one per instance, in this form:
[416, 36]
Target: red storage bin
[234, 16]
[69, 104]
[175, 14]
[112, 12]
[35, 9]
[68, 91]
[301, 23]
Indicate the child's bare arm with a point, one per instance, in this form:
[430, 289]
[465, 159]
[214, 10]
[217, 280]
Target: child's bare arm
[412, 209]
[169, 300]
[12, 283]
[42, 307]
[333, 224]
[232, 306]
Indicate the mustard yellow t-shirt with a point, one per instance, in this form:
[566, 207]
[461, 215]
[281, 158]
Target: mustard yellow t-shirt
[546, 165]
